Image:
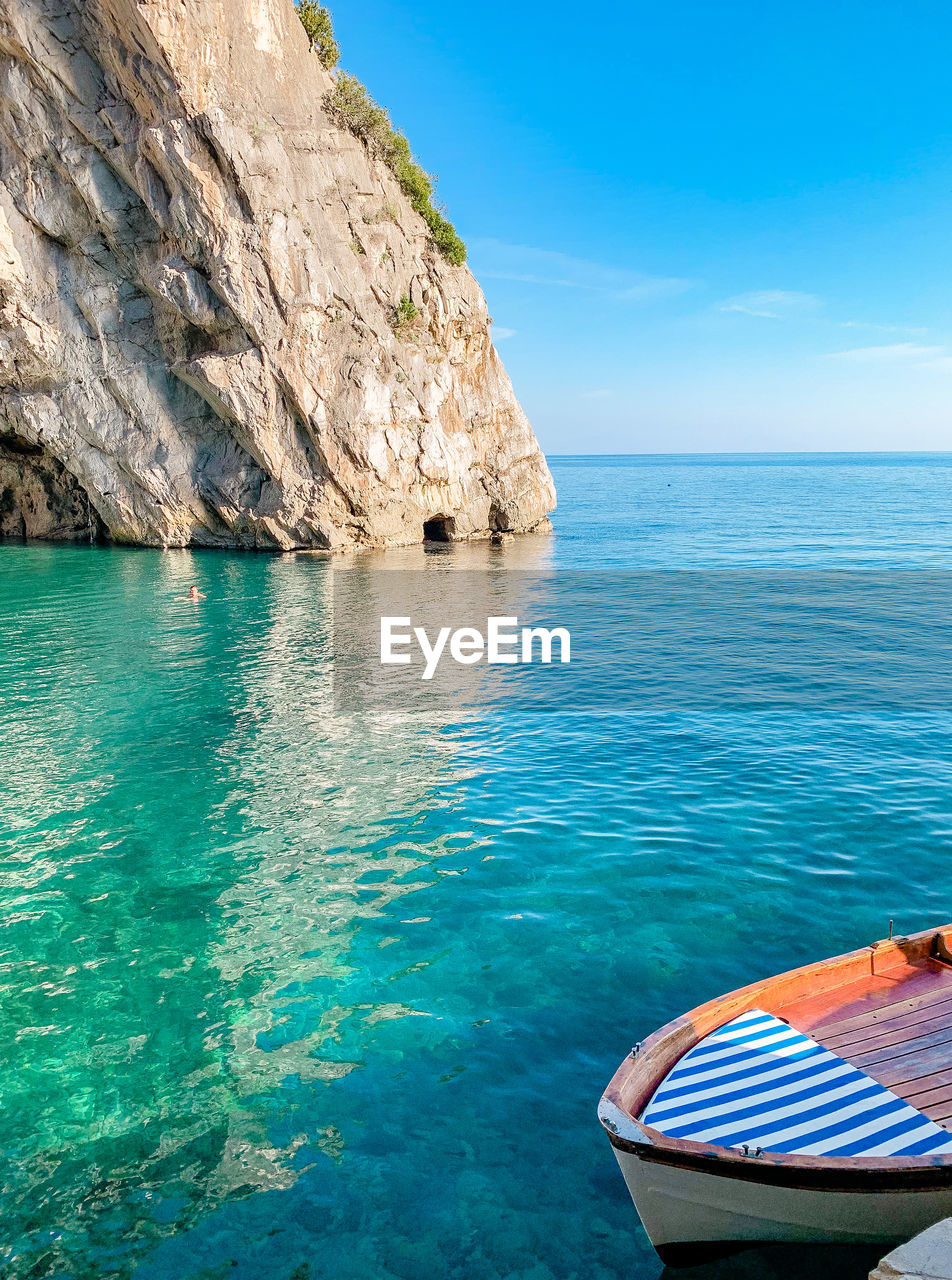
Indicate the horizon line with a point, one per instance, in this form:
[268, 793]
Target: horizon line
[765, 453]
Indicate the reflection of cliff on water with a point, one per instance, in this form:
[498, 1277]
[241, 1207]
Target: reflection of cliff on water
[330, 800]
[344, 794]
[437, 587]
[208, 830]
[531, 553]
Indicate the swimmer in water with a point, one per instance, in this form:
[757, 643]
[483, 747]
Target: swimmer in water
[194, 594]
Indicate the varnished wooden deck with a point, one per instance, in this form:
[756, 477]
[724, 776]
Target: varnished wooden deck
[897, 1027]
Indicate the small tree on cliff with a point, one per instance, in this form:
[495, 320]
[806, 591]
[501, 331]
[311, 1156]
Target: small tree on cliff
[320, 31]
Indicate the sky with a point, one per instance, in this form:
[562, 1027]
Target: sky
[700, 227]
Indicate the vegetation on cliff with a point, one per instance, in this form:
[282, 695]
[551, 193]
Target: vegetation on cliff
[403, 317]
[320, 31]
[351, 105]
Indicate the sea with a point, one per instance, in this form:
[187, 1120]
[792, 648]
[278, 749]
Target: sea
[313, 969]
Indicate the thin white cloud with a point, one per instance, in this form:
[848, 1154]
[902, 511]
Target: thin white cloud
[882, 328]
[772, 304]
[495, 260]
[892, 352]
[500, 333]
[603, 393]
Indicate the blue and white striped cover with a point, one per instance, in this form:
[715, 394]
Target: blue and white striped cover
[759, 1082]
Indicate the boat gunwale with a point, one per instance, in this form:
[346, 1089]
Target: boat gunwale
[636, 1079]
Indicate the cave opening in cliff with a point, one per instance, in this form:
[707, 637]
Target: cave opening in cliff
[498, 521]
[439, 529]
[39, 498]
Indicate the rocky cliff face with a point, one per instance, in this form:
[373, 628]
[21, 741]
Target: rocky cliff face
[198, 276]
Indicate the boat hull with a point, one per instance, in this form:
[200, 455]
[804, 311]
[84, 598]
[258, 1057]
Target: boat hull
[685, 1210]
[884, 1010]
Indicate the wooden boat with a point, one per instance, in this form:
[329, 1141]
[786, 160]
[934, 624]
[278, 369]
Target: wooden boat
[814, 1106]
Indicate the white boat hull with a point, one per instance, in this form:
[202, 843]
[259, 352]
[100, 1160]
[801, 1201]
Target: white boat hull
[683, 1208]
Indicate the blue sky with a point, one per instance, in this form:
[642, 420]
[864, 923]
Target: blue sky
[700, 226]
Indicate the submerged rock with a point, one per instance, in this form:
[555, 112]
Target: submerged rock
[200, 276]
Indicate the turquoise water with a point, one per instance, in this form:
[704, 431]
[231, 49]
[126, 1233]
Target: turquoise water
[294, 988]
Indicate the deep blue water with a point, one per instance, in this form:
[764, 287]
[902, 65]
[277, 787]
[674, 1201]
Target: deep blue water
[828, 510]
[302, 983]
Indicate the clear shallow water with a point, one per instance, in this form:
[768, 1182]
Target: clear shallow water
[292, 989]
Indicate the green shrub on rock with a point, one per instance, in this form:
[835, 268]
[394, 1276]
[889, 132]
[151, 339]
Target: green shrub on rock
[404, 314]
[320, 31]
[351, 105]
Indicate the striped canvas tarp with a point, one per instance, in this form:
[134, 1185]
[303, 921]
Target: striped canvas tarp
[756, 1081]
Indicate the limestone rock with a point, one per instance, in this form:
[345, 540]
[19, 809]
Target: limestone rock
[198, 272]
[927, 1256]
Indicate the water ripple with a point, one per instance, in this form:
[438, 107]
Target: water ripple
[293, 991]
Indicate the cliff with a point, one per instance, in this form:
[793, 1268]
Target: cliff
[201, 277]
